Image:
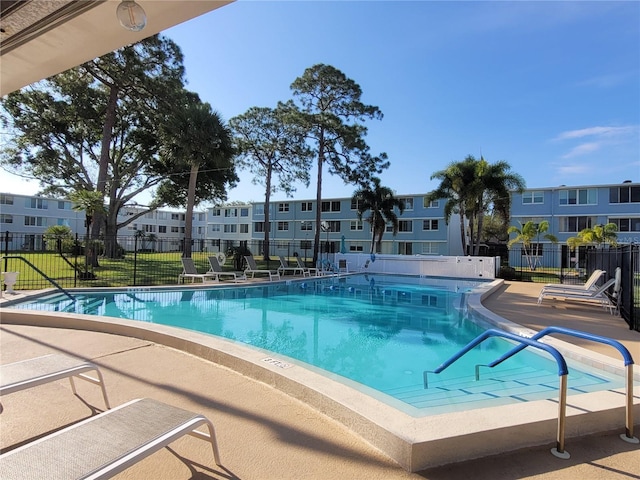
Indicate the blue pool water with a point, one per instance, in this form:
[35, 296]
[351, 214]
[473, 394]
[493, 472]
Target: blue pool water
[377, 330]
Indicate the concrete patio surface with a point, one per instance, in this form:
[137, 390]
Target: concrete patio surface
[265, 434]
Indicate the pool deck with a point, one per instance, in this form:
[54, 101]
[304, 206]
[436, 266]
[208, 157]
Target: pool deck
[266, 434]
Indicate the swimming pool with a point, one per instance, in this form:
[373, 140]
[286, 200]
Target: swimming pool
[376, 333]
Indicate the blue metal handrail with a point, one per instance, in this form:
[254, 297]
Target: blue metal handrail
[563, 372]
[52, 281]
[626, 356]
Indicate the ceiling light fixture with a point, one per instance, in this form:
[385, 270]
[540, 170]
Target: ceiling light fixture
[131, 15]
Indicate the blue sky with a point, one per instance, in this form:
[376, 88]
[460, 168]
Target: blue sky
[553, 88]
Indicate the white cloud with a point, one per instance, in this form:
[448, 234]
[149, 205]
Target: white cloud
[598, 132]
[568, 170]
[583, 149]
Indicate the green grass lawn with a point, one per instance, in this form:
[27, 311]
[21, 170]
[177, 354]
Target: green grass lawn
[143, 269]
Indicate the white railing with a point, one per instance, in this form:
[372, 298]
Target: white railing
[423, 265]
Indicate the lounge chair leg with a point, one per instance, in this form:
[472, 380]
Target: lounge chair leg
[211, 438]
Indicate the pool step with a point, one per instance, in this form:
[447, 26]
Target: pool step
[493, 388]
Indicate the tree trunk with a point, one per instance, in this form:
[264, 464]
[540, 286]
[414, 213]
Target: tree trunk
[463, 237]
[103, 170]
[188, 221]
[316, 237]
[267, 212]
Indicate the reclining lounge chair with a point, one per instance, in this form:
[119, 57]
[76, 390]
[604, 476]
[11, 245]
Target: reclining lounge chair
[217, 268]
[252, 268]
[600, 294]
[284, 267]
[590, 284]
[48, 368]
[106, 444]
[189, 271]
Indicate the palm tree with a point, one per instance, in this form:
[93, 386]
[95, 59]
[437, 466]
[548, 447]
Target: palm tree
[381, 203]
[526, 233]
[199, 140]
[458, 187]
[493, 186]
[597, 235]
[90, 202]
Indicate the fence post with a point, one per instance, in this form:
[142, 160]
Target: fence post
[135, 259]
[76, 249]
[6, 250]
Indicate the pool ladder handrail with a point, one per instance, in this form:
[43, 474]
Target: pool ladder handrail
[626, 356]
[563, 372]
[50, 280]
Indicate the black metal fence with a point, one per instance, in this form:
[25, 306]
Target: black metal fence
[70, 262]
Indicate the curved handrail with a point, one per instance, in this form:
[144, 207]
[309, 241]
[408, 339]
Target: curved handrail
[52, 281]
[562, 364]
[563, 372]
[626, 356]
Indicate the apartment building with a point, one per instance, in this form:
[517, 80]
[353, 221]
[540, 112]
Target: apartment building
[24, 219]
[422, 227]
[570, 209]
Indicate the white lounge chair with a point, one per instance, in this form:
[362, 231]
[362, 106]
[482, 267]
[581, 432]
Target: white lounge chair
[190, 271]
[306, 271]
[590, 284]
[217, 268]
[106, 444]
[252, 268]
[600, 295]
[284, 267]
[48, 368]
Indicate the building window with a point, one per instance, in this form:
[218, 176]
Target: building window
[230, 228]
[62, 205]
[63, 221]
[529, 198]
[259, 209]
[6, 199]
[576, 224]
[216, 212]
[283, 226]
[175, 216]
[408, 203]
[201, 217]
[333, 206]
[35, 221]
[405, 226]
[244, 228]
[405, 248]
[624, 194]
[356, 247]
[258, 227]
[161, 215]
[5, 218]
[355, 204]
[355, 225]
[39, 203]
[230, 212]
[580, 196]
[244, 212]
[305, 244]
[626, 224]
[175, 229]
[283, 207]
[149, 228]
[534, 250]
[306, 207]
[430, 248]
[162, 229]
[216, 227]
[430, 204]
[334, 226]
[430, 224]
[306, 226]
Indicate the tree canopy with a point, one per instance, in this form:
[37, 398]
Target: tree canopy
[381, 204]
[327, 105]
[94, 126]
[274, 151]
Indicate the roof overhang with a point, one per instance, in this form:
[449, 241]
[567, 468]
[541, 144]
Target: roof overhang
[40, 39]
